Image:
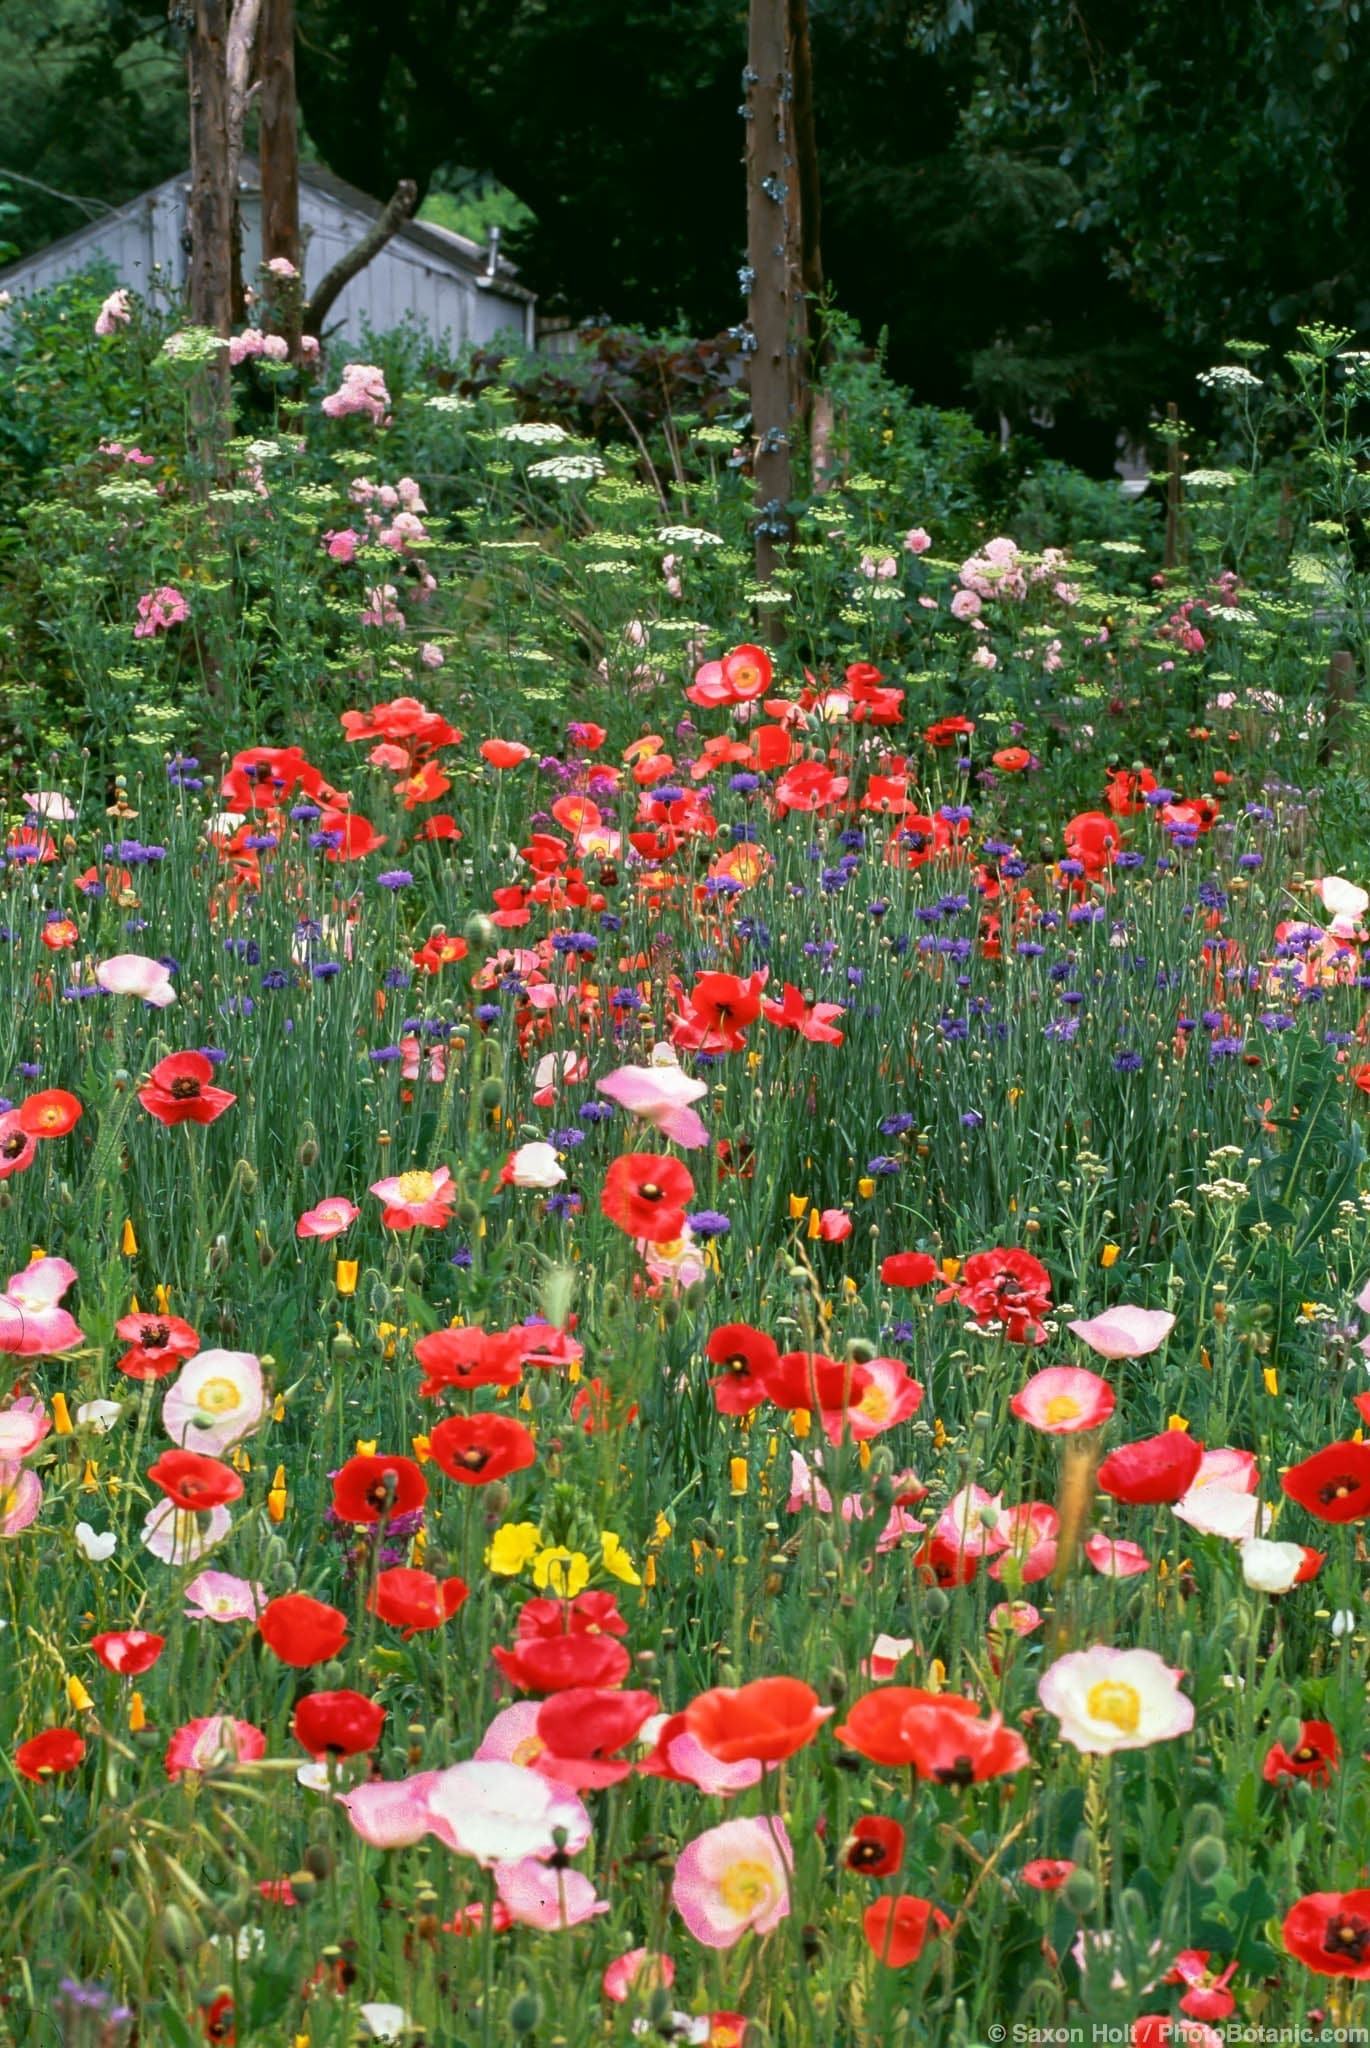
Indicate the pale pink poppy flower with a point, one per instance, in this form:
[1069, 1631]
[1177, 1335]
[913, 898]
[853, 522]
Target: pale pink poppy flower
[539, 1896]
[32, 1325]
[642, 1970]
[732, 1880]
[1227, 1467]
[1014, 1617]
[217, 1399]
[23, 1425]
[1115, 1559]
[428, 1062]
[1030, 1532]
[431, 656]
[215, 1743]
[219, 1596]
[1125, 1332]
[416, 1199]
[501, 1813]
[1108, 1700]
[1063, 1400]
[115, 312]
[176, 1537]
[917, 540]
[391, 1813]
[49, 804]
[1216, 1510]
[887, 1654]
[678, 1265]
[973, 1522]
[660, 1095]
[555, 1069]
[21, 1496]
[133, 974]
[1347, 901]
[328, 1218]
[512, 1736]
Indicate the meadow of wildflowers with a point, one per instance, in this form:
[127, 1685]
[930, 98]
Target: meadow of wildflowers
[688, 1265]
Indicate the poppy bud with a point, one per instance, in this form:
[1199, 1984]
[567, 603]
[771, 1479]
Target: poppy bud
[247, 1176]
[1289, 1734]
[218, 1255]
[468, 1213]
[829, 1557]
[835, 1684]
[935, 1603]
[492, 1092]
[318, 1858]
[308, 1154]
[304, 1884]
[413, 1268]
[1080, 1892]
[177, 1933]
[861, 1351]
[1207, 1860]
[343, 1345]
[659, 2007]
[479, 933]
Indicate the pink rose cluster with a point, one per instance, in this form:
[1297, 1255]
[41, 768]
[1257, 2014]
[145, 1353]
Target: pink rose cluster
[158, 610]
[116, 312]
[362, 391]
[251, 343]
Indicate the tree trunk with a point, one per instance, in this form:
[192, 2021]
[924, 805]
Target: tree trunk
[814, 353]
[773, 263]
[279, 156]
[241, 44]
[211, 199]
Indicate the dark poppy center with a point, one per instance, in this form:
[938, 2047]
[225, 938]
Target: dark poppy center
[1305, 1754]
[184, 1088]
[650, 1192]
[1337, 1489]
[154, 1336]
[865, 1855]
[962, 1772]
[474, 1458]
[1346, 1936]
[13, 1146]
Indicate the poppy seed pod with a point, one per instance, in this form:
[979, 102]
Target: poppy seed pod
[1207, 1860]
[1080, 1892]
[492, 1092]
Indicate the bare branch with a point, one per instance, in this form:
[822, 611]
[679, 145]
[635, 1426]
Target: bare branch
[392, 218]
[242, 41]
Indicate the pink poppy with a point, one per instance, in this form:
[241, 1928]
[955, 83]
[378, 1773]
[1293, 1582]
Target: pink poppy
[214, 1743]
[500, 1813]
[1114, 1558]
[972, 1522]
[1125, 1332]
[328, 1218]
[393, 1813]
[537, 1895]
[733, 1879]
[1030, 1532]
[677, 1755]
[1220, 1511]
[31, 1323]
[21, 1496]
[512, 1737]
[641, 1970]
[661, 1096]
[1063, 1400]
[23, 1425]
[133, 974]
[416, 1198]
[219, 1596]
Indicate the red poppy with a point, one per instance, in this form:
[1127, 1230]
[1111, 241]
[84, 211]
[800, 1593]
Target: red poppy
[814, 1021]
[43, 1756]
[717, 1012]
[562, 1644]
[18, 1148]
[765, 1721]
[1005, 1286]
[51, 1114]
[875, 1723]
[875, 1846]
[60, 934]
[582, 1727]
[301, 1630]
[1012, 760]
[945, 732]
[476, 1449]
[439, 951]
[469, 1357]
[646, 1193]
[746, 1355]
[337, 1723]
[909, 1269]
[373, 1487]
[1046, 1873]
[179, 1090]
[160, 1344]
[1314, 1756]
[1330, 1933]
[504, 753]
[349, 836]
[950, 1747]
[192, 1481]
[129, 1651]
[1333, 1484]
[411, 1600]
[1092, 838]
[218, 2020]
[896, 1928]
[1159, 1468]
[808, 1379]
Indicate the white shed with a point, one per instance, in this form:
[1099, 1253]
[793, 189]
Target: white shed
[452, 285]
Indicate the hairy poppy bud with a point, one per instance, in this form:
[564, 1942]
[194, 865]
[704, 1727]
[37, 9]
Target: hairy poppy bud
[1207, 1859]
[1080, 1892]
[492, 1092]
[525, 2012]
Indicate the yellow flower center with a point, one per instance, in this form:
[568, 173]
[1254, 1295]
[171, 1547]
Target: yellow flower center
[1062, 1408]
[218, 1397]
[1117, 1703]
[526, 1751]
[416, 1187]
[745, 1886]
[874, 1404]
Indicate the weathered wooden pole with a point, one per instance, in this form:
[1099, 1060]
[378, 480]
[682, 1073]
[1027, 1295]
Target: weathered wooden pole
[210, 218]
[774, 292]
[278, 150]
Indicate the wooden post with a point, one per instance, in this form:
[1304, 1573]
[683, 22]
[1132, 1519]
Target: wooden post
[278, 150]
[1173, 462]
[1339, 707]
[210, 219]
[773, 264]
